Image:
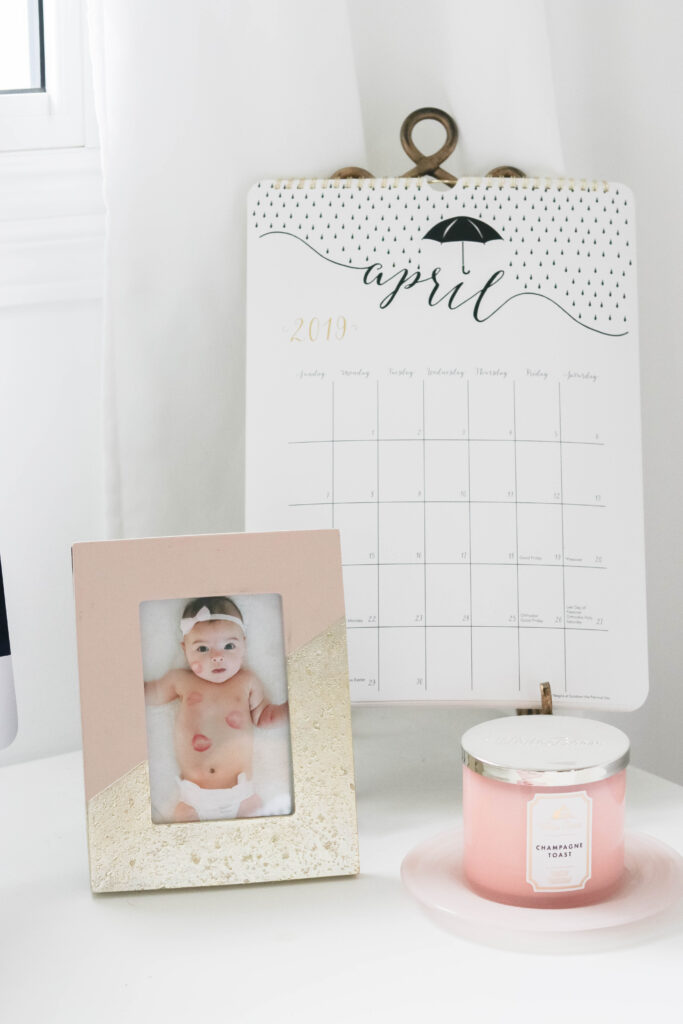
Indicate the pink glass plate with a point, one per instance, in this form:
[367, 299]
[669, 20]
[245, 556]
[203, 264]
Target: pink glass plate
[653, 882]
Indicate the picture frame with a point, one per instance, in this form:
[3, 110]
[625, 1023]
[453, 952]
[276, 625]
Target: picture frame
[115, 582]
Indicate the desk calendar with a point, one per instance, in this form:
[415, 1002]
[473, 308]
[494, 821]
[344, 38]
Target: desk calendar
[449, 376]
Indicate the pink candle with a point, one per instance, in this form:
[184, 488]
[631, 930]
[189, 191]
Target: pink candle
[543, 807]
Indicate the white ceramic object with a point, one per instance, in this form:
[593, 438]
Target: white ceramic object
[653, 881]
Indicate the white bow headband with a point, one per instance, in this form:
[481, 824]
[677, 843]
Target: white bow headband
[204, 615]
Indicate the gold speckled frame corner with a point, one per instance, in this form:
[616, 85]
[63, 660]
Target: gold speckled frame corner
[128, 851]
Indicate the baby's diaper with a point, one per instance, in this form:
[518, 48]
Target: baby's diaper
[216, 804]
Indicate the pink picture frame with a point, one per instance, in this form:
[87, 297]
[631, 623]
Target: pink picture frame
[128, 850]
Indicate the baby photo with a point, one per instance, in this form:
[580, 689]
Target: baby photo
[215, 684]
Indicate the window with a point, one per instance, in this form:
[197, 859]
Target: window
[42, 74]
[22, 63]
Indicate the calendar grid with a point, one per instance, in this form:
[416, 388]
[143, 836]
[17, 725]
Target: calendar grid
[564, 580]
[442, 501]
[590, 568]
[511, 626]
[469, 533]
[478, 440]
[418, 470]
[424, 532]
[514, 429]
[377, 548]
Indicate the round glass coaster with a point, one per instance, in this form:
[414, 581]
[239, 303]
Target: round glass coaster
[652, 883]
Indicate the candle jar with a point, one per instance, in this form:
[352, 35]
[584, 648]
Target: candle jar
[543, 808]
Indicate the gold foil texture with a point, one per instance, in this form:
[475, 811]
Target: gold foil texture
[128, 851]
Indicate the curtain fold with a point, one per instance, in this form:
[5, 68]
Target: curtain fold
[500, 82]
[195, 103]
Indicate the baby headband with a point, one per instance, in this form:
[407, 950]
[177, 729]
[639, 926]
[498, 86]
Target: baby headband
[204, 615]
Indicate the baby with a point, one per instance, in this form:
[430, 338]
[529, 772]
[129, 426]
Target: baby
[221, 701]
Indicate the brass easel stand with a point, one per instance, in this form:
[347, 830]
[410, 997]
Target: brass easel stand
[546, 707]
[429, 164]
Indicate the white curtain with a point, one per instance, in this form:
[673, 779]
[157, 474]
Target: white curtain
[198, 100]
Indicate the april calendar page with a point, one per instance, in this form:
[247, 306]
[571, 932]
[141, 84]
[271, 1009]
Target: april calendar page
[449, 377]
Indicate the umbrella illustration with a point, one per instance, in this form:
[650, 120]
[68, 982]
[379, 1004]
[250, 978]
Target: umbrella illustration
[462, 229]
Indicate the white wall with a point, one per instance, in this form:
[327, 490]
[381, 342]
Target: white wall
[51, 248]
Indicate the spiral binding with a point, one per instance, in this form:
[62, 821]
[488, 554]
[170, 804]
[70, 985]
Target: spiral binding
[544, 184]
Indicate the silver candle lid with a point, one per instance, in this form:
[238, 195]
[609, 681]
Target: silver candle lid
[545, 750]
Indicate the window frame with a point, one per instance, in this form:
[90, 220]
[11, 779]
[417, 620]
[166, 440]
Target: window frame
[57, 117]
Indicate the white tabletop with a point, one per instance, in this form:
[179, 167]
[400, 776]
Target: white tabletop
[350, 949]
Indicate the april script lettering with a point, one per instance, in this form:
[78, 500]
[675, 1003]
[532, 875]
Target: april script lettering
[439, 292]
[404, 280]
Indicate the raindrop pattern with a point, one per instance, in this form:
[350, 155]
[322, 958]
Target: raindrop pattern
[568, 241]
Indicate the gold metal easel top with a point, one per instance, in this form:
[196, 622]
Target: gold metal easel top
[429, 164]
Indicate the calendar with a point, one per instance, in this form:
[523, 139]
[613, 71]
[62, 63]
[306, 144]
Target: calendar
[449, 377]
